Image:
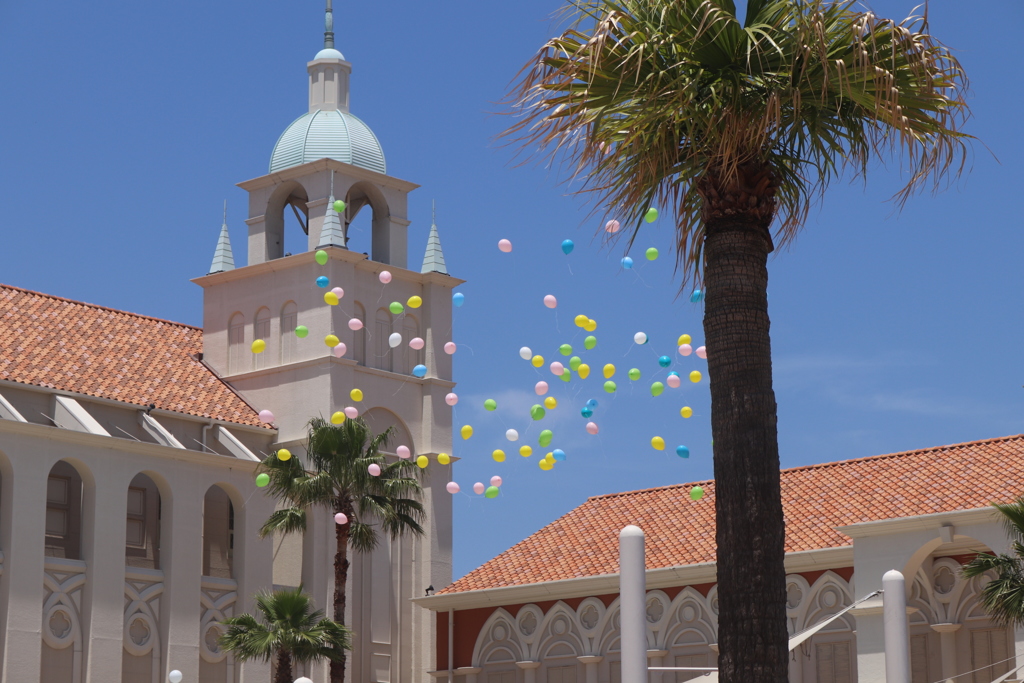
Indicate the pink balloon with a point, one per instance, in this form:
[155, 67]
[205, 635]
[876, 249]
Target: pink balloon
[478, 488]
[385, 276]
[403, 452]
[673, 381]
[611, 226]
[452, 488]
[449, 348]
[541, 388]
[355, 324]
[340, 518]
[592, 428]
[340, 350]
[685, 350]
[550, 301]
[374, 469]
[557, 368]
[451, 399]
[338, 292]
[351, 413]
[266, 416]
[416, 343]
[505, 246]
[702, 352]
[495, 480]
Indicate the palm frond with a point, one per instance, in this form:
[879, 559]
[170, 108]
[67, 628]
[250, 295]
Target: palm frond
[285, 521]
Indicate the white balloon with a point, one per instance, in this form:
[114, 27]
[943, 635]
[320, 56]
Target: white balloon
[175, 677]
[303, 679]
[512, 435]
[640, 338]
[525, 353]
[394, 340]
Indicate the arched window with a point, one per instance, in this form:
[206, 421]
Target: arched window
[142, 537]
[236, 344]
[218, 533]
[289, 342]
[410, 356]
[261, 330]
[64, 512]
[381, 332]
[359, 336]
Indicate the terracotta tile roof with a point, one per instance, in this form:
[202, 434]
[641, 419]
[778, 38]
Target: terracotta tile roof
[73, 346]
[816, 500]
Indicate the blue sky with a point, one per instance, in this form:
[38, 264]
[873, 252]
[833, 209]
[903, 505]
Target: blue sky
[124, 125]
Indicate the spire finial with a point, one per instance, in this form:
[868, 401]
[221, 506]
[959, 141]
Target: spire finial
[433, 212]
[223, 258]
[329, 28]
[225, 212]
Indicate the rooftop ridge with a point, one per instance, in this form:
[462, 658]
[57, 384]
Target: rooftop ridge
[98, 306]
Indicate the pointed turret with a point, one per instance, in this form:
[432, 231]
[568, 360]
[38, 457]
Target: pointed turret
[433, 259]
[223, 259]
[332, 234]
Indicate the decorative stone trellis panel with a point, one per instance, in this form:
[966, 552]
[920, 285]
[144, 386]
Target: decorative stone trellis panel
[63, 581]
[142, 593]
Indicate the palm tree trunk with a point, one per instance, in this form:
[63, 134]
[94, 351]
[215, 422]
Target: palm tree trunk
[752, 636]
[340, 582]
[284, 667]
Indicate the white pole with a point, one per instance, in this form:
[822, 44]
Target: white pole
[632, 594]
[897, 633]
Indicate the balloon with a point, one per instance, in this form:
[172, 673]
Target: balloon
[449, 348]
[505, 246]
[546, 464]
[657, 388]
[340, 350]
[575, 362]
[419, 371]
[558, 454]
[337, 418]
[580, 320]
[541, 388]
[394, 340]
[590, 325]
[550, 301]
[526, 353]
[331, 299]
[492, 492]
[339, 205]
[673, 381]
[658, 443]
[640, 338]
[331, 341]
[321, 257]
[478, 488]
[525, 451]
[651, 215]
[403, 452]
[609, 386]
[466, 431]
[556, 368]
[627, 262]
[422, 462]
[498, 455]
[592, 403]
[490, 404]
[284, 455]
[355, 324]
[702, 352]
[565, 350]
[544, 439]
[512, 435]
[301, 331]
[682, 451]
[583, 371]
[340, 518]
[443, 458]
[550, 457]
[266, 416]
[356, 395]
[683, 339]
[351, 412]
[416, 343]
[651, 254]
[609, 371]
[567, 246]
[695, 376]
[338, 292]
[634, 374]
[696, 296]
[384, 277]
[612, 226]
[451, 399]
[550, 403]
[590, 342]
[685, 349]
[415, 302]
[566, 374]
[452, 488]
[458, 298]
[174, 676]
[665, 361]
[396, 308]
[696, 493]
[262, 479]
[322, 281]
[587, 411]
[592, 428]
[537, 361]
[259, 346]
[686, 411]
[495, 480]
[373, 469]
[537, 412]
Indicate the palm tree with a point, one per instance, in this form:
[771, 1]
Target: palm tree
[338, 457]
[1003, 596]
[289, 629]
[732, 128]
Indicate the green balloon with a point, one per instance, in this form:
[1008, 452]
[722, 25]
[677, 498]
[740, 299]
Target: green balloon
[491, 492]
[262, 479]
[396, 308]
[537, 411]
[609, 386]
[321, 257]
[590, 342]
[696, 493]
[565, 349]
[566, 375]
[339, 205]
[657, 388]
[575, 362]
[301, 331]
[490, 404]
[652, 254]
[651, 215]
[634, 374]
[545, 438]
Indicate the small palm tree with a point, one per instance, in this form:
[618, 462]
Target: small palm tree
[339, 457]
[288, 629]
[1003, 596]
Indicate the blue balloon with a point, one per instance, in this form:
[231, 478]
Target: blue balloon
[587, 411]
[567, 246]
[419, 370]
[458, 298]
[558, 454]
[696, 296]
[664, 361]
[673, 373]
[627, 262]
[682, 451]
[592, 403]
[322, 281]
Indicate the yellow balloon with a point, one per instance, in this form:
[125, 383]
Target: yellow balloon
[423, 461]
[550, 402]
[695, 376]
[546, 464]
[259, 346]
[609, 370]
[331, 340]
[283, 454]
[466, 431]
[683, 339]
[686, 411]
[498, 455]
[550, 457]
[337, 418]
[537, 361]
[356, 394]
[525, 451]
[658, 443]
[590, 326]
[444, 458]
[583, 371]
[414, 302]
[331, 299]
[581, 320]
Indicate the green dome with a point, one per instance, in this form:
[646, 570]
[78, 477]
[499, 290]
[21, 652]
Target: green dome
[331, 134]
